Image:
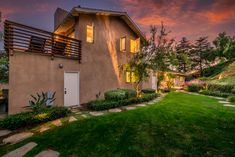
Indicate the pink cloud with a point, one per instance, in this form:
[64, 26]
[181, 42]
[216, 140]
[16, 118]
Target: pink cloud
[221, 11]
[188, 18]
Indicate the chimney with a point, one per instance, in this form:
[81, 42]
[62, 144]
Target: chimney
[59, 16]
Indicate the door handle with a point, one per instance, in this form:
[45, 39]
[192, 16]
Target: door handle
[65, 92]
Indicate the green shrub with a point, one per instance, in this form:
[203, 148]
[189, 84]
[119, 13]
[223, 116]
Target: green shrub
[194, 87]
[214, 70]
[107, 104]
[119, 94]
[115, 95]
[130, 93]
[233, 90]
[221, 88]
[148, 90]
[215, 93]
[231, 98]
[29, 119]
[39, 101]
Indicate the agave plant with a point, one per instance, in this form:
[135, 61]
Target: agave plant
[41, 101]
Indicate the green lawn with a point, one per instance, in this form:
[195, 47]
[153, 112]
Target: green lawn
[179, 125]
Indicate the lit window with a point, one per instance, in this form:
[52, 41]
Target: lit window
[90, 34]
[132, 46]
[123, 44]
[128, 76]
[131, 77]
[135, 45]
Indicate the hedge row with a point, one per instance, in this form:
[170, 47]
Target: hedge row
[231, 98]
[119, 94]
[220, 88]
[148, 90]
[215, 93]
[98, 105]
[29, 119]
[194, 87]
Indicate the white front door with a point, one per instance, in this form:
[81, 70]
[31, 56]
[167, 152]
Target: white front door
[71, 88]
[154, 82]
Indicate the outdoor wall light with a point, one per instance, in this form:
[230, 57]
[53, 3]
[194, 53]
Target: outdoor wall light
[61, 66]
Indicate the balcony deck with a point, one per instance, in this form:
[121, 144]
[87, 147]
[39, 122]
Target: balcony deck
[19, 37]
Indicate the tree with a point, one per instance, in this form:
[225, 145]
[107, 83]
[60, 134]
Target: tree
[183, 49]
[221, 44]
[1, 27]
[163, 56]
[224, 46]
[154, 56]
[199, 55]
[140, 66]
[3, 68]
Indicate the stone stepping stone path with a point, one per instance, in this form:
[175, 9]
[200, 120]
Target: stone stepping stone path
[17, 137]
[96, 113]
[218, 98]
[224, 102]
[140, 105]
[57, 122]
[19, 152]
[48, 153]
[78, 112]
[44, 128]
[4, 132]
[72, 119]
[229, 105]
[130, 108]
[84, 115]
[151, 103]
[115, 110]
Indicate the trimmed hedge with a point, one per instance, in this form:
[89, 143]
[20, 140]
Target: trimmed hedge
[221, 88]
[148, 90]
[215, 93]
[29, 119]
[231, 98]
[98, 105]
[194, 87]
[119, 94]
[130, 93]
[233, 90]
[115, 95]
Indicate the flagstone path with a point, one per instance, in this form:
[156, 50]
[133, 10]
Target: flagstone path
[21, 151]
[48, 153]
[17, 138]
[220, 100]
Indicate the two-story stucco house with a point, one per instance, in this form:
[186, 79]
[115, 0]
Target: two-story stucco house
[80, 60]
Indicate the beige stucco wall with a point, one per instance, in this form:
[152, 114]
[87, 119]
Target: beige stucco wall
[99, 69]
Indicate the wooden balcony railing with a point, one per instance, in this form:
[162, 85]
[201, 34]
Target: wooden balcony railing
[32, 40]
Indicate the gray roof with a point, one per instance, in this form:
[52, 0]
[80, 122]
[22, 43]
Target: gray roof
[123, 15]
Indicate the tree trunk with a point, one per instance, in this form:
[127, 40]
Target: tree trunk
[138, 89]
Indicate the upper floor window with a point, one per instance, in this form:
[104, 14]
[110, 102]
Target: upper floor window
[123, 44]
[135, 45]
[131, 77]
[90, 33]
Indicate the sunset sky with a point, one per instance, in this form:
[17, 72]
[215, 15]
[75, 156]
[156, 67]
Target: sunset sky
[184, 18]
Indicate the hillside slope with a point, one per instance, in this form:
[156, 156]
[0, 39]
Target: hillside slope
[227, 76]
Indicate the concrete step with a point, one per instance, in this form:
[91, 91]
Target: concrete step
[17, 137]
[20, 152]
[48, 153]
